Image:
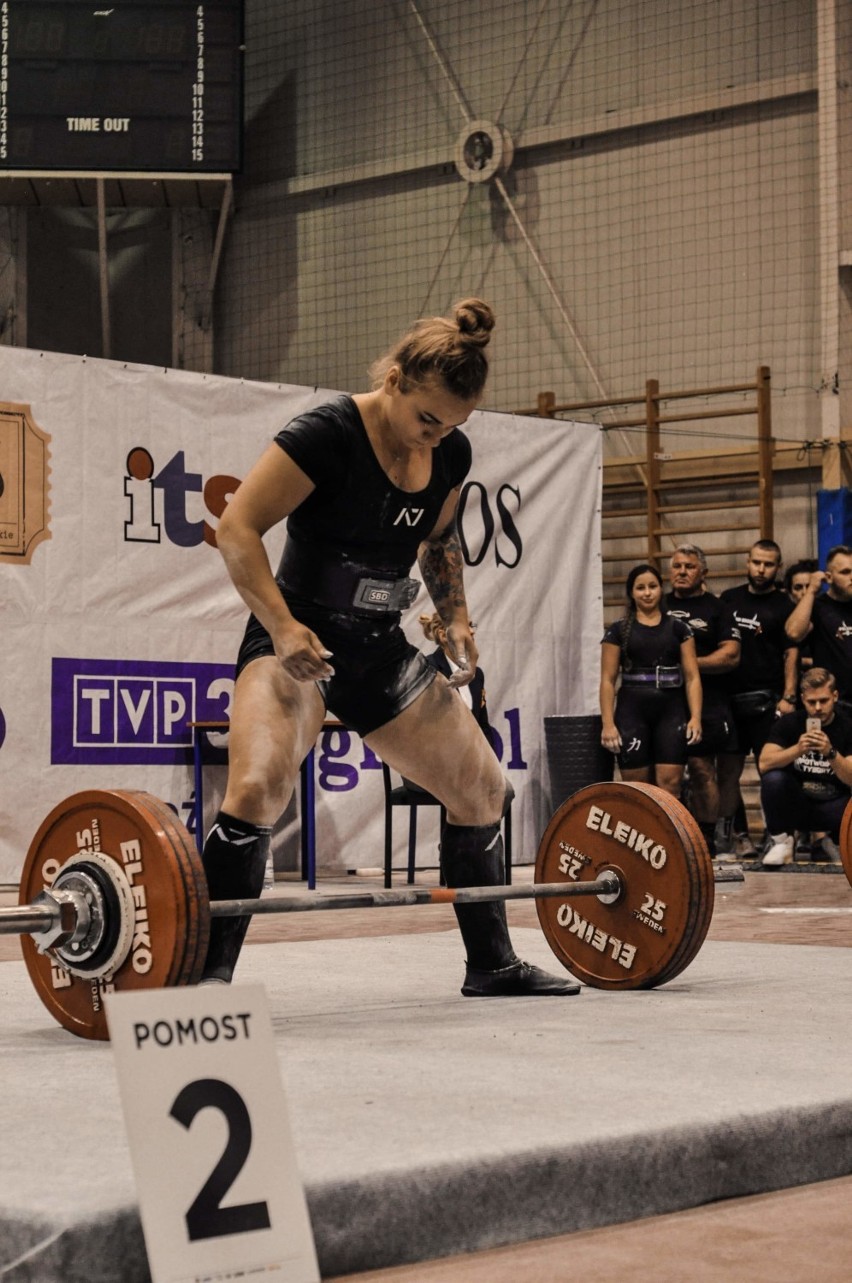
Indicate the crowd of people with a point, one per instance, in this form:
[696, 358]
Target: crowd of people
[692, 683]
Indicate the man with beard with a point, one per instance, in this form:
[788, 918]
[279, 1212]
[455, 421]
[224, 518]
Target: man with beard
[717, 645]
[763, 686]
[826, 617]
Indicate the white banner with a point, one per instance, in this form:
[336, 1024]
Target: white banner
[121, 625]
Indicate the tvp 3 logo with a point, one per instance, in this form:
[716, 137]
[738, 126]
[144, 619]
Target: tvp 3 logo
[128, 712]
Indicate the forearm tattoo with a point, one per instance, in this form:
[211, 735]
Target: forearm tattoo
[442, 566]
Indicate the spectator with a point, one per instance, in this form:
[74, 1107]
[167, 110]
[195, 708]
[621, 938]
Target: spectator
[444, 660]
[796, 582]
[826, 618]
[797, 577]
[806, 771]
[650, 726]
[762, 687]
[717, 645]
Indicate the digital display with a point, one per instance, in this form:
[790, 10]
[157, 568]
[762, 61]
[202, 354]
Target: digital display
[85, 85]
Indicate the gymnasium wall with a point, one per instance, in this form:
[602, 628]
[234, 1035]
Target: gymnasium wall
[660, 216]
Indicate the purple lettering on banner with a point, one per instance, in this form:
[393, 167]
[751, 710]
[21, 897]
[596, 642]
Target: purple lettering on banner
[132, 712]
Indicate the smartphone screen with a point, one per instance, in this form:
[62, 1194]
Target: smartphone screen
[813, 724]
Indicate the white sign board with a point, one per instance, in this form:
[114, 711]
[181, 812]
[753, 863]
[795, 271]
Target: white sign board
[220, 1196]
[121, 625]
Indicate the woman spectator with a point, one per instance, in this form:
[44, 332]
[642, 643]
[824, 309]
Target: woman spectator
[657, 714]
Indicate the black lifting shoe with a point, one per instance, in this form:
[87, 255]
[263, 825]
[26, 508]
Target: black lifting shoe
[519, 980]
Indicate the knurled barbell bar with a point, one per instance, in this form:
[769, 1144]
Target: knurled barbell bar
[113, 896]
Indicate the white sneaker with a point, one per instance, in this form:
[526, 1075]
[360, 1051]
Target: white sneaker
[781, 850]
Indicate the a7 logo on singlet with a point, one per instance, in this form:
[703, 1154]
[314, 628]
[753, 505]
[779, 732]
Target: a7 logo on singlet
[410, 516]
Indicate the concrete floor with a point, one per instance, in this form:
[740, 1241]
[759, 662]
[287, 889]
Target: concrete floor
[799, 1235]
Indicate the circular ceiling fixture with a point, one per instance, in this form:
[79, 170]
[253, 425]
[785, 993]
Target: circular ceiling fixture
[482, 150]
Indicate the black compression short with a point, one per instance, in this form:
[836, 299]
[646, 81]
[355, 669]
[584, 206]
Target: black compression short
[652, 726]
[377, 672]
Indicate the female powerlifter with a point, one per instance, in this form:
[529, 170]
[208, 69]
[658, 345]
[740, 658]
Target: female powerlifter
[368, 483]
[650, 724]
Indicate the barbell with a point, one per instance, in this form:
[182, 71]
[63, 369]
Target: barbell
[113, 896]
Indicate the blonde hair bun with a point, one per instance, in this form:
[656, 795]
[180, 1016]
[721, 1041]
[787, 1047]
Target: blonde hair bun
[475, 320]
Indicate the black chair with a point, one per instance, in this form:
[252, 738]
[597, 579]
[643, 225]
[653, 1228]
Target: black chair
[407, 794]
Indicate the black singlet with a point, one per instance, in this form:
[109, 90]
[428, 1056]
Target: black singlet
[651, 721]
[356, 511]
[651, 645]
[356, 516]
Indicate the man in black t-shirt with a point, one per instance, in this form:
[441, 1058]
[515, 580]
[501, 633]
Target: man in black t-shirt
[826, 618]
[764, 684]
[717, 645]
[806, 770]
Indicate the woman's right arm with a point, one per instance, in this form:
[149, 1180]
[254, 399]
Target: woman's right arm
[273, 489]
[610, 664]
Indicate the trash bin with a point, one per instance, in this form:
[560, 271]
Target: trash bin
[575, 756]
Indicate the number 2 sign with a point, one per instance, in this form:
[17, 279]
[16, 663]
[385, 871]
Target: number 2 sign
[219, 1190]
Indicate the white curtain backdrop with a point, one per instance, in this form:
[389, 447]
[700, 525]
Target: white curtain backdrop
[122, 626]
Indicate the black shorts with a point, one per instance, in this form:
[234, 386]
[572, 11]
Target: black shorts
[718, 733]
[752, 730]
[377, 672]
[652, 726]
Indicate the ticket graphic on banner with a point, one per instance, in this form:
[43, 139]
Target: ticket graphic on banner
[132, 712]
[24, 484]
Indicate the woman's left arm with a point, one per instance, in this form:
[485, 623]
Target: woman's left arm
[442, 567]
[692, 678]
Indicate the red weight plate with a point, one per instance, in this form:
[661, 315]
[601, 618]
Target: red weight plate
[118, 826]
[846, 841]
[195, 884]
[704, 884]
[660, 919]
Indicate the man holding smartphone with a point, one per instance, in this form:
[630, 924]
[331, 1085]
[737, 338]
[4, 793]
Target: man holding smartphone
[806, 771]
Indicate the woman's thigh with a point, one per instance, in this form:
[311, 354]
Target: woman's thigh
[274, 722]
[437, 743]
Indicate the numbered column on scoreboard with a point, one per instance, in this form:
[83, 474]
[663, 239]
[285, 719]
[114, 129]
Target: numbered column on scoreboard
[148, 87]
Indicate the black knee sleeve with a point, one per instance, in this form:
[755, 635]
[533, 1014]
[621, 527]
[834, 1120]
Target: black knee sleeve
[234, 860]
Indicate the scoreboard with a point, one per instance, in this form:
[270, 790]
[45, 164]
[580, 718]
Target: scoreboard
[118, 85]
